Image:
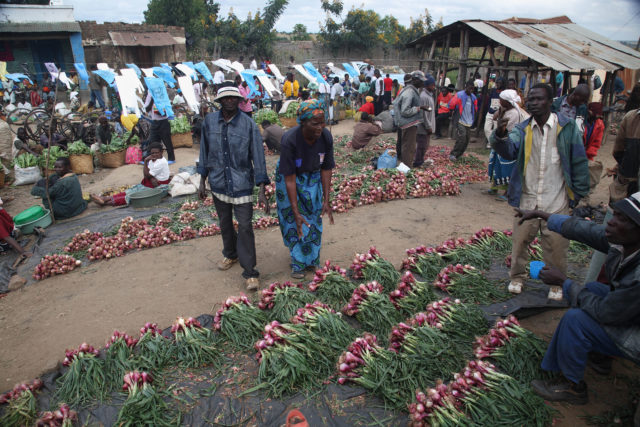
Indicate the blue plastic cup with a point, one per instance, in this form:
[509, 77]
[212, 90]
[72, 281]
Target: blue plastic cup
[534, 268]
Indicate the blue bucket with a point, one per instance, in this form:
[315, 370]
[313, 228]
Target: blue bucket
[534, 268]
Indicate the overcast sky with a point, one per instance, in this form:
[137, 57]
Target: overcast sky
[615, 19]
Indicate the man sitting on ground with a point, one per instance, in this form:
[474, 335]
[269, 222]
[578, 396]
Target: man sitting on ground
[604, 320]
[64, 191]
[271, 135]
[364, 131]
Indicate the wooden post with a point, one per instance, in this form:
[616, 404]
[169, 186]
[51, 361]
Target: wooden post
[606, 90]
[431, 52]
[492, 55]
[464, 54]
[445, 55]
[484, 52]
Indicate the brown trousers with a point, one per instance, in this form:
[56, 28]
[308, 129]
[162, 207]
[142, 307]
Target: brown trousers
[408, 149]
[554, 247]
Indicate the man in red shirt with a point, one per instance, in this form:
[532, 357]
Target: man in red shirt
[444, 113]
[388, 84]
[368, 106]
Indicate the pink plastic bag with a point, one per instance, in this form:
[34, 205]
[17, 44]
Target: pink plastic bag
[133, 156]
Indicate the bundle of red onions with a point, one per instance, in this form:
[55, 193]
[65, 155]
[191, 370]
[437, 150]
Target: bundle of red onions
[208, 201]
[134, 380]
[164, 221]
[435, 407]
[151, 328]
[411, 295]
[265, 222]
[155, 350]
[182, 325]
[355, 356]
[310, 310]
[50, 265]
[18, 389]
[360, 262]
[268, 295]
[187, 217]
[62, 417]
[274, 334]
[321, 274]
[71, 355]
[444, 279]
[498, 336]
[189, 206]
[154, 237]
[360, 294]
[130, 227]
[188, 233]
[535, 249]
[118, 336]
[109, 247]
[209, 230]
[82, 241]
[144, 406]
[344, 200]
[229, 303]
[194, 345]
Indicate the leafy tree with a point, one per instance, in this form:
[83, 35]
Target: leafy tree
[418, 27]
[300, 32]
[360, 28]
[193, 15]
[330, 30]
[393, 33]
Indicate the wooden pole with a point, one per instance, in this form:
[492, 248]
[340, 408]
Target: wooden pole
[464, 53]
[431, 52]
[46, 167]
[484, 52]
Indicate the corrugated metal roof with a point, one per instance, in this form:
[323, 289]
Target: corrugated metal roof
[40, 27]
[556, 43]
[130, 38]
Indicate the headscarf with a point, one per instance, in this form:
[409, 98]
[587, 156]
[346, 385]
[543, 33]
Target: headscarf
[309, 109]
[511, 96]
[369, 98]
[596, 107]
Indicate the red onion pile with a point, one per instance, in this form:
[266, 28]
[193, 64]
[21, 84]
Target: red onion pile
[190, 206]
[428, 403]
[209, 230]
[134, 380]
[164, 221]
[267, 299]
[229, 303]
[181, 325]
[71, 355]
[265, 222]
[274, 334]
[82, 241]
[344, 200]
[359, 295]
[19, 389]
[152, 328]
[208, 201]
[188, 233]
[187, 217]
[154, 237]
[445, 277]
[360, 262]
[406, 285]
[414, 253]
[321, 273]
[130, 227]
[62, 417]
[109, 247]
[121, 336]
[310, 310]
[50, 265]
[353, 358]
[498, 336]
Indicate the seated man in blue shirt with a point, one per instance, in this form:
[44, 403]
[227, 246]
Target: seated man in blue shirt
[603, 319]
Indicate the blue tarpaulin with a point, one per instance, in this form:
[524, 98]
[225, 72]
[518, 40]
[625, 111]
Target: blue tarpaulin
[165, 75]
[202, 68]
[18, 77]
[82, 71]
[166, 66]
[136, 68]
[160, 96]
[314, 72]
[349, 68]
[247, 75]
[107, 76]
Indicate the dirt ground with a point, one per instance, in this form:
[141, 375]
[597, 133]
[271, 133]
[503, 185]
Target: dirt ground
[38, 322]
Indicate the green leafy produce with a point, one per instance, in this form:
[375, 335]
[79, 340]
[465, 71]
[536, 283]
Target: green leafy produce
[117, 144]
[135, 139]
[292, 110]
[266, 114]
[25, 160]
[55, 153]
[78, 148]
[180, 125]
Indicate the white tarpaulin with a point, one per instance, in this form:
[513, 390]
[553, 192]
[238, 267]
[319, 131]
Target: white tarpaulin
[225, 64]
[299, 68]
[103, 66]
[62, 76]
[276, 72]
[237, 66]
[186, 86]
[148, 72]
[131, 75]
[267, 84]
[53, 70]
[188, 71]
[127, 93]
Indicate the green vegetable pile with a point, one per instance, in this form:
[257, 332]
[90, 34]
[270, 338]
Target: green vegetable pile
[266, 114]
[117, 144]
[78, 148]
[292, 110]
[180, 125]
[25, 160]
[55, 153]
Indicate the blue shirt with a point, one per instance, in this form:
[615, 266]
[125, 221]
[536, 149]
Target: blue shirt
[466, 118]
[232, 155]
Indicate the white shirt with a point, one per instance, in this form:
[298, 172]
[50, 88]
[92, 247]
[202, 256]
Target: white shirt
[479, 83]
[159, 169]
[336, 90]
[447, 81]
[324, 88]
[544, 187]
[370, 73]
[178, 99]
[253, 65]
[218, 77]
[380, 86]
[25, 105]
[197, 90]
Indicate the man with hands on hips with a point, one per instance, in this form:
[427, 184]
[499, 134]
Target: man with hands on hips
[604, 320]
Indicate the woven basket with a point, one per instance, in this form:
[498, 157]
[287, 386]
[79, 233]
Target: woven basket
[182, 140]
[81, 163]
[288, 122]
[112, 160]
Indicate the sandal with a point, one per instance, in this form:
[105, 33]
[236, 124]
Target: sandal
[297, 274]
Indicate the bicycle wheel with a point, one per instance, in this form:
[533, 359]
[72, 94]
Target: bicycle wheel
[35, 123]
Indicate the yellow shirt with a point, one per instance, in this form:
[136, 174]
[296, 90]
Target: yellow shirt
[291, 89]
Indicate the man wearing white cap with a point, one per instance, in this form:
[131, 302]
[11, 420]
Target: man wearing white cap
[232, 158]
[604, 320]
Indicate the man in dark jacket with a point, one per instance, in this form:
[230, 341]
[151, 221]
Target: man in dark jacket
[603, 319]
[232, 158]
[574, 105]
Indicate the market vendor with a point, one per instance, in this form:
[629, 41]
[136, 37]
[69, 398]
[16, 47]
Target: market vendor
[8, 234]
[368, 106]
[64, 190]
[56, 138]
[104, 131]
[364, 131]
[303, 186]
[22, 144]
[156, 174]
[603, 319]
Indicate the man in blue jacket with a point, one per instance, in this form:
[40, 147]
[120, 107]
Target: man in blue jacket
[232, 158]
[466, 104]
[551, 174]
[604, 320]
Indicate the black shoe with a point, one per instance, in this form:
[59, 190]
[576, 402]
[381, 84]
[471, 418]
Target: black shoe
[561, 389]
[600, 363]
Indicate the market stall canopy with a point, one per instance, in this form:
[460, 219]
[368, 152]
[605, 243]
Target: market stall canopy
[130, 38]
[556, 43]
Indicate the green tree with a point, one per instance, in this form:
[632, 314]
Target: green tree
[393, 33]
[360, 28]
[329, 32]
[193, 15]
[300, 32]
[419, 26]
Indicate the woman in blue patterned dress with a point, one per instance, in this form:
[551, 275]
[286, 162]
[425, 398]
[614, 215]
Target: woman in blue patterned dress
[303, 186]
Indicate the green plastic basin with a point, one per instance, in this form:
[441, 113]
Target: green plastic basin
[28, 215]
[147, 197]
[44, 221]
